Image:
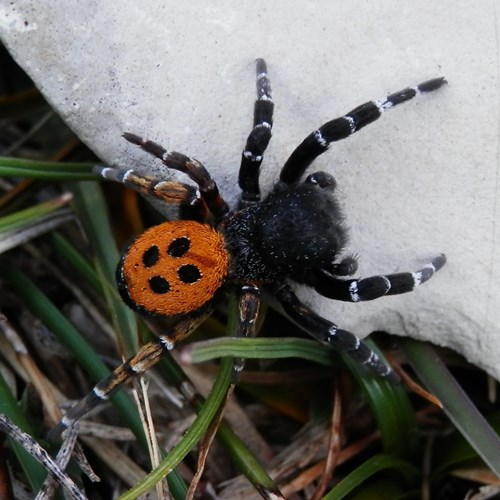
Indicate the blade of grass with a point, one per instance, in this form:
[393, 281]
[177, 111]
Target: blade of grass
[372, 466]
[30, 216]
[49, 170]
[456, 404]
[391, 408]
[12, 239]
[75, 259]
[192, 436]
[258, 348]
[245, 460]
[9, 407]
[24, 225]
[454, 451]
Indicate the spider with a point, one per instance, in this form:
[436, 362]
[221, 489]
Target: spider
[295, 234]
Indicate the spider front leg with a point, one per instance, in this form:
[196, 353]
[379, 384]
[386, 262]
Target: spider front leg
[319, 141]
[189, 166]
[373, 287]
[328, 333]
[146, 357]
[259, 137]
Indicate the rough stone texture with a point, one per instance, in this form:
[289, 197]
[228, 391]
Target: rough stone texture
[422, 180]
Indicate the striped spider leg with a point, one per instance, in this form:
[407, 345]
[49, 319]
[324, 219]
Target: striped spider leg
[373, 287]
[145, 358]
[318, 141]
[258, 139]
[189, 166]
[185, 198]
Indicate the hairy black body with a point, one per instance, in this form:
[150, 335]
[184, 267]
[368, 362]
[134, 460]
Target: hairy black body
[310, 225]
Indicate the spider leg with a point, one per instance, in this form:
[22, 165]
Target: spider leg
[357, 290]
[189, 166]
[319, 141]
[249, 304]
[146, 357]
[187, 198]
[346, 267]
[328, 333]
[259, 137]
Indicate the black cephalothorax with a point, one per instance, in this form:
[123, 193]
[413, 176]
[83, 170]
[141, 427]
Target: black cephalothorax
[294, 230]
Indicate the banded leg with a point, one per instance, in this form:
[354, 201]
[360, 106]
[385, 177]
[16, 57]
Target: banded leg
[328, 333]
[371, 288]
[259, 137]
[249, 304]
[319, 141]
[189, 166]
[146, 357]
[187, 198]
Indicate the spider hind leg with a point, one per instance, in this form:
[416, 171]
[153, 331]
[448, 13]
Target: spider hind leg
[328, 333]
[145, 358]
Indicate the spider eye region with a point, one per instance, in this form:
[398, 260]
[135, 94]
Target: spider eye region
[173, 268]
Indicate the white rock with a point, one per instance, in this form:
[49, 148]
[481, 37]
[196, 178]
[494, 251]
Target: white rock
[422, 180]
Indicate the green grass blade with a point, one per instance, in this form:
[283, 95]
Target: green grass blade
[245, 460]
[66, 251]
[372, 466]
[42, 225]
[49, 170]
[31, 216]
[456, 404]
[35, 473]
[192, 436]
[259, 348]
[391, 408]
[454, 451]
[24, 225]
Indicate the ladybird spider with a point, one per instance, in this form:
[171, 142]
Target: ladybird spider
[296, 233]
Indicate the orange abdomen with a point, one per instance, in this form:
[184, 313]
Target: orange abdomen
[173, 268]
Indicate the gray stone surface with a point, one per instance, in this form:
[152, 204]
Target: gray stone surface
[422, 180]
